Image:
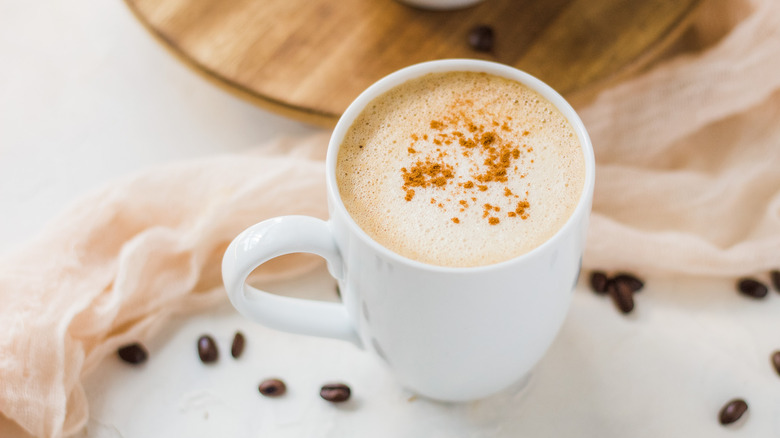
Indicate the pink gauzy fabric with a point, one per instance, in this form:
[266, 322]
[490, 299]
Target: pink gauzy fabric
[122, 261]
[688, 182]
[688, 157]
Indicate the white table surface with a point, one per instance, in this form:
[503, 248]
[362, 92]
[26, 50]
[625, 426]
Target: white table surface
[86, 95]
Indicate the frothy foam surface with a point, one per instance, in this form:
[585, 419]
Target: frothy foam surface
[460, 169]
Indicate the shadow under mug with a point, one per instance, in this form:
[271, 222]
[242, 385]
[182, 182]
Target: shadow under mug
[446, 333]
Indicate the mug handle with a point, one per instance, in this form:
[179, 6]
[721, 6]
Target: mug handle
[270, 239]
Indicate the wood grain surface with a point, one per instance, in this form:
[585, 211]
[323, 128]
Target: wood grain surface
[309, 59]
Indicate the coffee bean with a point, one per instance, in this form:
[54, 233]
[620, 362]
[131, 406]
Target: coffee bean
[133, 353]
[635, 283]
[733, 411]
[207, 349]
[272, 388]
[481, 38]
[775, 276]
[335, 392]
[776, 361]
[752, 288]
[238, 345]
[598, 282]
[622, 295]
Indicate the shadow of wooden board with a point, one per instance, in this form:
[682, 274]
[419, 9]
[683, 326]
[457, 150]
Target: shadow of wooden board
[308, 59]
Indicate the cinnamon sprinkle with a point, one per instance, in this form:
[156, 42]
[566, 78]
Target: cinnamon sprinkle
[426, 174]
[460, 135]
[522, 206]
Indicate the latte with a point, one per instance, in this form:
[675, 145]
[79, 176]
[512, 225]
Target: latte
[460, 169]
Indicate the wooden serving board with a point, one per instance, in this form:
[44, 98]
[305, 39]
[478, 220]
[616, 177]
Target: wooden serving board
[310, 58]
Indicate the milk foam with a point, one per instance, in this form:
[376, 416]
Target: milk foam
[419, 166]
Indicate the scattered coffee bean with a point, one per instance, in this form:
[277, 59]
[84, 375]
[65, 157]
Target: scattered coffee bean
[335, 392]
[207, 349]
[598, 282]
[622, 295]
[238, 345]
[733, 411]
[272, 388]
[775, 276]
[776, 361]
[481, 38]
[133, 353]
[752, 288]
[635, 283]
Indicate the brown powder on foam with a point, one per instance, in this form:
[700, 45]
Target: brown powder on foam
[499, 155]
[522, 209]
[426, 174]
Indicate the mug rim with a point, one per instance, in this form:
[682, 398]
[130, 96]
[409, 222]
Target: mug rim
[405, 74]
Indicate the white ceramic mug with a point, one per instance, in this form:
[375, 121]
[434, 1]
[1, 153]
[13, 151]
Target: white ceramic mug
[447, 333]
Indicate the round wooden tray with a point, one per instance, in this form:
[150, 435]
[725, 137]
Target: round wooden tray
[310, 58]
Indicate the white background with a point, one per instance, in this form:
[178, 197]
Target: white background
[86, 95]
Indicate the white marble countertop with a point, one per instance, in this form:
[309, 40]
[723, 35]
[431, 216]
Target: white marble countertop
[86, 95]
